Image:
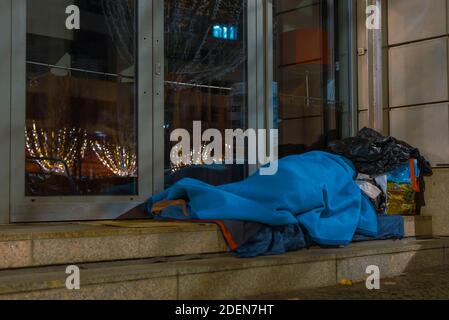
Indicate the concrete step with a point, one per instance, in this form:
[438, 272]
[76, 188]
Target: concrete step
[418, 226]
[225, 277]
[37, 245]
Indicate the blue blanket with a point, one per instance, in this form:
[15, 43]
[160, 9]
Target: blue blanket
[279, 240]
[316, 191]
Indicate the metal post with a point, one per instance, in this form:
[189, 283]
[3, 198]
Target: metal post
[375, 74]
[158, 97]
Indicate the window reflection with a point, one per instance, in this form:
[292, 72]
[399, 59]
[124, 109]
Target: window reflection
[81, 115]
[307, 108]
[205, 80]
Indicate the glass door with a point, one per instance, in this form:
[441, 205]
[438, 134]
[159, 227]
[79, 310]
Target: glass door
[206, 79]
[79, 103]
[93, 105]
[308, 108]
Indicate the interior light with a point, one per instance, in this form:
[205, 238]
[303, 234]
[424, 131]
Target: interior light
[224, 32]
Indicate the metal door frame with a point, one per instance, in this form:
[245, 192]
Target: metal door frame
[5, 107]
[40, 209]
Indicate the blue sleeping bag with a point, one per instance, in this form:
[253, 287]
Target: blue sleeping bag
[315, 190]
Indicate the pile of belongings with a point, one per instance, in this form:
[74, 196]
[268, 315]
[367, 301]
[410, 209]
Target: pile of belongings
[404, 189]
[319, 198]
[391, 172]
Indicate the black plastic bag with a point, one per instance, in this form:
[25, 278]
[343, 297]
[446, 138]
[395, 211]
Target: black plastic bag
[374, 154]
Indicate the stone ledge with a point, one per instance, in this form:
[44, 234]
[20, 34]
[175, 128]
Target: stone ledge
[24, 246]
[371, 248]
[225, 277]
[19, 232]
[61, 244]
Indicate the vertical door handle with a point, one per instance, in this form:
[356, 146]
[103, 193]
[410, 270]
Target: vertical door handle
[307, 89]
[158, 69]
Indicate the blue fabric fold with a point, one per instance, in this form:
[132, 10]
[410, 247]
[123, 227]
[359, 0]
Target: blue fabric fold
[315, 190]
[274, 241]
[280, 240]
[389, 227]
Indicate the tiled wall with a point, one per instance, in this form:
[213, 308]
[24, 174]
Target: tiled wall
[418, 77]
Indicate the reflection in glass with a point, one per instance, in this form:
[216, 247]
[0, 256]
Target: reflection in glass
[205, 80]
[307, 107]
[81, 116]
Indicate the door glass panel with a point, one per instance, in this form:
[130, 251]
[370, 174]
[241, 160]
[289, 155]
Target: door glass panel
[81, 113]
[307, 107]
[205, 78]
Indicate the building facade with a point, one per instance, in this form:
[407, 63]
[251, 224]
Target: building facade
[412, 81]
[90, 91]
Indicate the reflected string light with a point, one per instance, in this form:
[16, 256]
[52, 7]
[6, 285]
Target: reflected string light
[197, 158]
[64, 145]
[120, 160]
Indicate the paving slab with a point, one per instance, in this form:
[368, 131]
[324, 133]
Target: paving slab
[426, 284]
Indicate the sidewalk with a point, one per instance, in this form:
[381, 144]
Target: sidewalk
[430, 284]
